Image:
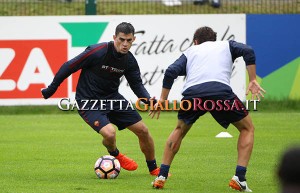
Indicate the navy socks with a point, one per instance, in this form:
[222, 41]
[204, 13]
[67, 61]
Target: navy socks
[240, 172]
[151, 165]
[164, 170]
[114, 153]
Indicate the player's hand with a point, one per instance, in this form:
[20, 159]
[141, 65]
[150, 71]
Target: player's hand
[48, 92]
[156, 110]
[153, 100]
[256, 90]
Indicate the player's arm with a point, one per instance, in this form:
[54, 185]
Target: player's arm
[178, 68]
[253, 87]
[133, 76]
[83, 60]
[238, 50]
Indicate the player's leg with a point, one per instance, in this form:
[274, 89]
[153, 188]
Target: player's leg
[108, 133]
[98, 120]
[186, 118]
[130, 118]
[145, 140]
[146, 145]
[109, 141]
[245, 141]
[239, 117]
[244, 147]
[171, 148]
[174, 141]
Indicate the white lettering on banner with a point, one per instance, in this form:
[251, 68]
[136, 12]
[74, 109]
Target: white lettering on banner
[35, 71]
[161, 45]
[6, 55]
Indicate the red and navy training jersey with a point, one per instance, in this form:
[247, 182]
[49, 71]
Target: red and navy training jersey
[101, 69]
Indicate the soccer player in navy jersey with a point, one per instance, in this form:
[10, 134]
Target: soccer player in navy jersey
[102, 65]
[207, 66]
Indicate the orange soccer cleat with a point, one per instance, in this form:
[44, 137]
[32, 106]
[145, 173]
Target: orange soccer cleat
[236, 184]
[159, 182]
[156, 171]
[127, 163]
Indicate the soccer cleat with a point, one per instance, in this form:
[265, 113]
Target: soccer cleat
[127, 163]
[156, 171]
[159, 182]
[236, 184]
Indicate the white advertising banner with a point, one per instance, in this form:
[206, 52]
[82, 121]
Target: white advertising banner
[32, 49]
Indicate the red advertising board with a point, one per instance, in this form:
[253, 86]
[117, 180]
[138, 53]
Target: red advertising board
[22, 76]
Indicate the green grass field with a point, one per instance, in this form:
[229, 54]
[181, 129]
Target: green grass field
[56, 153]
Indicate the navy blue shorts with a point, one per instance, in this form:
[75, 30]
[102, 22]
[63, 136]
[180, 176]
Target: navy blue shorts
[224, 109]
[116, 110]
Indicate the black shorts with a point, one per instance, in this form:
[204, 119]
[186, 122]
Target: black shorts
[224, 109]
[116, 110]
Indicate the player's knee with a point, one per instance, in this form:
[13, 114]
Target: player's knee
[249, 127]
[252, 128]
[179, 129]
[110, 136]
[140, 130]
[245, 125]
[143, 131]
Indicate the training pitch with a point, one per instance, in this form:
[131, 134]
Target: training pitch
[56, 153]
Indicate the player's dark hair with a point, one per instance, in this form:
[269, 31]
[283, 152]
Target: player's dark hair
[204, 34]
[289, 168]
[125, 28]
